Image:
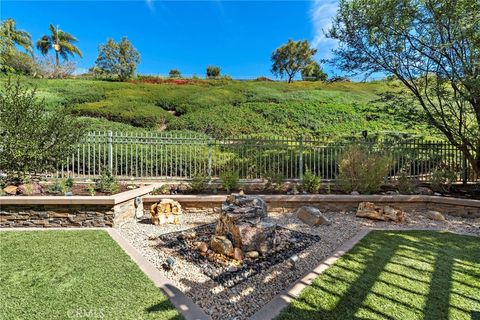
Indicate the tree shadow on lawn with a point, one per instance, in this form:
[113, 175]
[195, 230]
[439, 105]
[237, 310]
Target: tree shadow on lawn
[434, 262]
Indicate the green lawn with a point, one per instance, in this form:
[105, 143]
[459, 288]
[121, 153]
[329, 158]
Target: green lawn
[74, 275]
[397, 275]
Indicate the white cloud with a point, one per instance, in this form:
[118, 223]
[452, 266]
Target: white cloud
[321, 15]
[150, 5]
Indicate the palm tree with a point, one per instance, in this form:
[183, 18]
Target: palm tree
[9, 32]
[60, 41]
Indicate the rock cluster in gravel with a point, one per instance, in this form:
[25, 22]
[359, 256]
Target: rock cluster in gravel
[245, 298]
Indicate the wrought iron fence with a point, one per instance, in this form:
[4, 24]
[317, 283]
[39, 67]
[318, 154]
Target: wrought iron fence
[175, 155]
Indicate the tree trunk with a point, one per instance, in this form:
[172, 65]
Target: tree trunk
[57, 62]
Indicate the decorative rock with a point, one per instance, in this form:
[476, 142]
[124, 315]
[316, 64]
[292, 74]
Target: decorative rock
[435, 215]
[203, 247]
[11, 190]
[164, 211]
[369, 210]
[355, 193]
[29, 189]
[253, 254]
[312, 216]
[238, 254]
[393, 214]
[387, 213]
[244, 220]
[221, 245]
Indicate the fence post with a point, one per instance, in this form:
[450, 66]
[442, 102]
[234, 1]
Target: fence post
[464, 169]
[300, 159]
[210, 159]
[110, 150]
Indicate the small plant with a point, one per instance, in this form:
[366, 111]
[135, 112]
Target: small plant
[199, 183]
[311, 182]
[274, 180]
[229, 180]
[405, 184]
[107, 182]
[163, 189]
[442, 180]
[362, 170]
[61, 186]
[91, 189]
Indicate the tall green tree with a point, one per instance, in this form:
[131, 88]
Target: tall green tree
[61, 42]
[432, 47]
[117, 59]
[12, 36]
[33, 139]
[291, 58]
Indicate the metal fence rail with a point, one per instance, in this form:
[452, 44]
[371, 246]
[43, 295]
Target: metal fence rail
[175, 155]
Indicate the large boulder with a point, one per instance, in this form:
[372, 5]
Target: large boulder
[165, 211]
[29, 189]
[312, 216]
[435, 215]
[244, 221]
[371, 211]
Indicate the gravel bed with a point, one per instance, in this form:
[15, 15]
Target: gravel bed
[244, 299]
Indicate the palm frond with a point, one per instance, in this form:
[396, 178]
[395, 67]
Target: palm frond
[44, 44]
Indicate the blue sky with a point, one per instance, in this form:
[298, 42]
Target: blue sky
[238, 36]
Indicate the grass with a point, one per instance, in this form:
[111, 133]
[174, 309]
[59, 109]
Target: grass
[397, 275]
[221, 107]
[74, 274]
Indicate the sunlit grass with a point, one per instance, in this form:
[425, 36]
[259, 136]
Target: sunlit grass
[397, 275]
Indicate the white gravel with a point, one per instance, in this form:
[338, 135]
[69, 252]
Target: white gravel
[243, 300]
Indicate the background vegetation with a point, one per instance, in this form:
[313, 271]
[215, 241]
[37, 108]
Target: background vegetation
[230, 108]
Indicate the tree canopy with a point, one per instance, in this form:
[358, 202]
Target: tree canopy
[118, 59]
[431, 46]
[292, 58]
[61, 42]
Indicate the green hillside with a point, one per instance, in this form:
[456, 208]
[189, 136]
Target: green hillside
[229, 108]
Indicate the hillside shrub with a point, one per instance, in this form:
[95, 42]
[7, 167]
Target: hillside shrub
[362, 170]
[174, 73]
[230, 180]
[310, 182]
[213, 72]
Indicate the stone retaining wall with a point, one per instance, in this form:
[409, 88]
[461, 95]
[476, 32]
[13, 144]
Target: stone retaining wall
[279, 203]
[80, 211]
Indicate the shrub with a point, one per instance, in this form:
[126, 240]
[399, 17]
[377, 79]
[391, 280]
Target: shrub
[362, 170]
[163, 189]
[405, 185]
[274, 180]
[213, 72]
[33, 139]
[442, 180]
[107, 182]
[199, 183]
[230, 180]
[61, 186]
[174, 73]
[311, 182]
